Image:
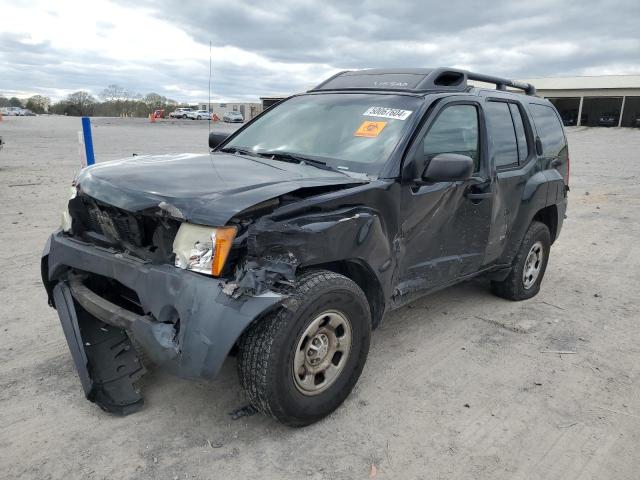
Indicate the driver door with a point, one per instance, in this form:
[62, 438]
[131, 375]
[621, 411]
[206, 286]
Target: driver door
[445, 225]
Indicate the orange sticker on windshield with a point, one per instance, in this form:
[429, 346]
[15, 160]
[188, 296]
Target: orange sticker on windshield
[369, 129]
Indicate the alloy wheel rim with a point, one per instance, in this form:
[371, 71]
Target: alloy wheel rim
[321, 353]
[533, 265]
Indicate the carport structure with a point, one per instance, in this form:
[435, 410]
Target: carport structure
[607, 100]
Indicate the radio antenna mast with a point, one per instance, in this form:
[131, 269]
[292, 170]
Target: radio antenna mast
[209, 104]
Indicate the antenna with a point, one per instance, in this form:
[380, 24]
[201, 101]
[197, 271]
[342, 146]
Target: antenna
[209, 104]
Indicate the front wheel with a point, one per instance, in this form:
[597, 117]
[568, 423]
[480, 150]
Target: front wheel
[300, 363]
[529, 265]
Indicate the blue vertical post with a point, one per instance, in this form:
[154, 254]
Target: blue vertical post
[88, 141]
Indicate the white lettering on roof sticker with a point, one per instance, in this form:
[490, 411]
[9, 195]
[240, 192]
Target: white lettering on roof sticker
[393, 113]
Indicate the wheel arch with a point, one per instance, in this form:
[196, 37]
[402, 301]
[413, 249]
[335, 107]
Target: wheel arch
[363, 276]
[549, 216]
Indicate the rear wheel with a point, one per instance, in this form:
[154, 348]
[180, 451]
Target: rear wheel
[299, 364]
[529, 265]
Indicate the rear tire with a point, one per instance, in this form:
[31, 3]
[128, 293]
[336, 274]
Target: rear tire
[300, 363]
[529, 265]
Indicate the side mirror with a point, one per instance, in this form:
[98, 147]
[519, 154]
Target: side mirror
[448, 167]
[216, 139]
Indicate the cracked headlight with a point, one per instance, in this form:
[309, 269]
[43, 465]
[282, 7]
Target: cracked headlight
[203, 249]
[65, 217]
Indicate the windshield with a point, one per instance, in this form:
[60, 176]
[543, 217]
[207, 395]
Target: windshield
[350, 132]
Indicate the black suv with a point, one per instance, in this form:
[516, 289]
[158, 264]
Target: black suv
[291, 239]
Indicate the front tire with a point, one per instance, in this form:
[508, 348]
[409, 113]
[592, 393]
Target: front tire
[529, 265]
[300, 363]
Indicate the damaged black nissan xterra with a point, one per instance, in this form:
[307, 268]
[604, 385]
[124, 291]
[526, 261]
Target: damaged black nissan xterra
[291, 239]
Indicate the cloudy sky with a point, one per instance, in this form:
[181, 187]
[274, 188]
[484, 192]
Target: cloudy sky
[57, 47]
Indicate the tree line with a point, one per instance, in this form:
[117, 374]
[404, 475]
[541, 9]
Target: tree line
[113, 101]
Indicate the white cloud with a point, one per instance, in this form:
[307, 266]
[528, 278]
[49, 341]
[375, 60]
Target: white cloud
[53, 48]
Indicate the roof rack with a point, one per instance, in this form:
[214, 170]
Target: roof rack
[415, 80]
[502, 83]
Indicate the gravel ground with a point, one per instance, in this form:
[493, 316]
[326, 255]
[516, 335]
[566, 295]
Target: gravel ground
[460, 384]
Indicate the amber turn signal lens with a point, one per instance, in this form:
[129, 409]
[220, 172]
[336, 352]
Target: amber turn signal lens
[224, 240]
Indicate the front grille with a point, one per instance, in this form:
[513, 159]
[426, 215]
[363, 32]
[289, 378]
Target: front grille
[116, 225]
[146, 235]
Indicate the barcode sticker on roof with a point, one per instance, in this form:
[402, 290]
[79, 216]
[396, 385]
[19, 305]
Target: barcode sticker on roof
[384, 112]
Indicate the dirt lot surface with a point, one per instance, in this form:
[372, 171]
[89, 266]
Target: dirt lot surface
[460, 384]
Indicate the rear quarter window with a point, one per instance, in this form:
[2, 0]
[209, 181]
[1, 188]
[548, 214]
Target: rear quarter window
[549, 129]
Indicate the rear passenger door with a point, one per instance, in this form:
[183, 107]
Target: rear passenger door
[512, 160]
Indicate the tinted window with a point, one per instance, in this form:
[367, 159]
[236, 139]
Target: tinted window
[356, 132]
[521, 136]
[502, 133]
[549, 130]
[454, 131]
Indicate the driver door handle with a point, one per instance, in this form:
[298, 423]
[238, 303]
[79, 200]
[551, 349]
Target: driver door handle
[478, 191]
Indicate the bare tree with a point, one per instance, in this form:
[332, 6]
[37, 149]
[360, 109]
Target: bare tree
[39, 103]
[114, 93]
[81, 103]
[155, 100]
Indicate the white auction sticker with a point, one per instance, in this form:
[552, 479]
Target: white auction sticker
[393, 113]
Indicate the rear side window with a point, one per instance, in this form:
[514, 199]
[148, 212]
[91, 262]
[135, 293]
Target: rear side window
[503, 134]
[454, 131]
[549, 130]
[521, 135]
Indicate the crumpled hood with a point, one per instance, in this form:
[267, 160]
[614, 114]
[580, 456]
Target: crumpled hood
[208, 189]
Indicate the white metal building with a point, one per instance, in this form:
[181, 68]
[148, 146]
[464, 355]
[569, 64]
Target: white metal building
[604, 100]
[248, 110]
[588, 100]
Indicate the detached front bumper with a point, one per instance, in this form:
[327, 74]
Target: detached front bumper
[186, 323]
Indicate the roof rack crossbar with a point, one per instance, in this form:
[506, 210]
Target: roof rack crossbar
[415, 80]
[502, 83]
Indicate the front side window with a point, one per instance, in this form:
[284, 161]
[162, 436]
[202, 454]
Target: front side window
[455, 130]
[349, 131]
[502, 133]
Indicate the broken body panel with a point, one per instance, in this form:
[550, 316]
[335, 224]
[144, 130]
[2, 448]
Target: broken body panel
[396, 237]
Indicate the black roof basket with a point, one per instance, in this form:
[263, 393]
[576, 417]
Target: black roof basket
[417, 80]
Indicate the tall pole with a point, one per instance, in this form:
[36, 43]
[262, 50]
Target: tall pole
[209, 104]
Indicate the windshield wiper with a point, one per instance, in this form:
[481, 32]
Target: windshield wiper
[288, 156]
[241, 150]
